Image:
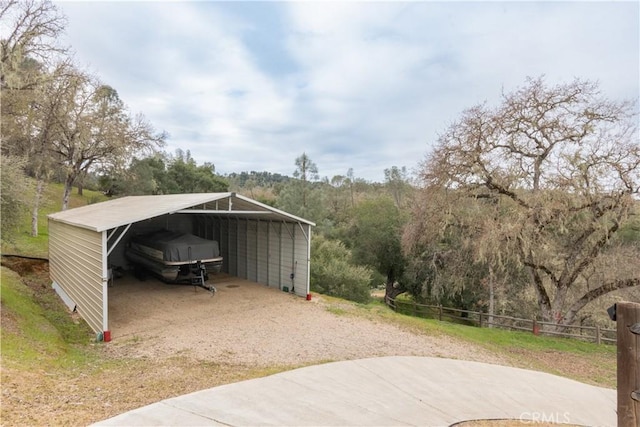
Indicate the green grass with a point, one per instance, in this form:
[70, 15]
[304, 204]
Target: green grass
[579, 360]
[338, 311]
[25, 244]
[489, 337]
[499, 338]
[37, 331]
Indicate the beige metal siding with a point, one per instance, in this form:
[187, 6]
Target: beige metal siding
[75, 259]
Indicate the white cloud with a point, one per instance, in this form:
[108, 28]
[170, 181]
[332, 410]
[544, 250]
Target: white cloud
[354, 84]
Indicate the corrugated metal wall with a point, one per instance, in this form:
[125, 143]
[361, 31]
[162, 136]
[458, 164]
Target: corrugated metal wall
[266, 252]
[262, 261]
[75, 260]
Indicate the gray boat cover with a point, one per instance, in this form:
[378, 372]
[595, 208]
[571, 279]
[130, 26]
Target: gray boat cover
[177, 246]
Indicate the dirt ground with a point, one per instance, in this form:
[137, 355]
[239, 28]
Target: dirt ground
[251, 324]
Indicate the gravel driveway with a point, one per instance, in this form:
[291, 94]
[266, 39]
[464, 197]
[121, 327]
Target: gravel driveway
[250, 324]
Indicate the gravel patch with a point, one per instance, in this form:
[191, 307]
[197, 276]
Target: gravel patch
[251, 324]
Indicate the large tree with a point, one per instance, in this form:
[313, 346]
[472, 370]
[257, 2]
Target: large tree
[95, 130]
[564, 165]
[306, 171]
[374, 236]
[300, 196]
[32, 61]
[448, 244]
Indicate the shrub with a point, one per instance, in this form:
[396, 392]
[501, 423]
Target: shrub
[333, 273]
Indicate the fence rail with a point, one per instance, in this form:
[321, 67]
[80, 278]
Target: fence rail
[476, 318]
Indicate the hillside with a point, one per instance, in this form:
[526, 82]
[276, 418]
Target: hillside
[53, 371]
[23, 243]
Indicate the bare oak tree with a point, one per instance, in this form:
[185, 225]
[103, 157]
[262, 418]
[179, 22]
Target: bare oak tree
[94, 129]
[564, 164]
[53, 114]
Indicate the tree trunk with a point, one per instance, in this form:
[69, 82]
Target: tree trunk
[544, 303]
[36, 207]
[557, 310]
[391, 290]
[68, 187]
[80, 188]
[492, 303]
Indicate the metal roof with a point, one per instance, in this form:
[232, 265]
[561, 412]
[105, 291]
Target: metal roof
[127, 210]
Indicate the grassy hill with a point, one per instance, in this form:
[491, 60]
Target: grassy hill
[25, 244]
[54, 372]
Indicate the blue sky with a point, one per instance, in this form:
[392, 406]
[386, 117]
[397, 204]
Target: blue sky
[362, 85]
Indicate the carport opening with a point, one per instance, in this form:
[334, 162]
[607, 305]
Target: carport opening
[263, 251]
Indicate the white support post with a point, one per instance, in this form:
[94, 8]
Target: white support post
[105, 288]
[308, 261]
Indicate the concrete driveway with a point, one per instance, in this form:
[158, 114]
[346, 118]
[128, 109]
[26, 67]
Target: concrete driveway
[385, 391]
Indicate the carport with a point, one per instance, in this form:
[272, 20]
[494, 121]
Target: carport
[258, 243]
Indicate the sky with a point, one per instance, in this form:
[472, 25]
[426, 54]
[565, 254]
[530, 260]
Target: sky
[362, 85]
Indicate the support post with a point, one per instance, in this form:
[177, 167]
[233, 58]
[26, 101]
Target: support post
[627, 316]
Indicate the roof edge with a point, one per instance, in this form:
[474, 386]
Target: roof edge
[271, 208]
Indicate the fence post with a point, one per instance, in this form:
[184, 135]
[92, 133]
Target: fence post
[481, 319]
[535, 328]
[627, 317]
[440, 313]
[598, 334]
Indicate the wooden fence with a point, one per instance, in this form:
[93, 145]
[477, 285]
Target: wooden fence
[476, 318]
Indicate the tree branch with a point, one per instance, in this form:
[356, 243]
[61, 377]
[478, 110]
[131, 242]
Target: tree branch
[566, 281]
[596, 293]
[491, 185]
[542, 268]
